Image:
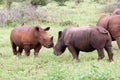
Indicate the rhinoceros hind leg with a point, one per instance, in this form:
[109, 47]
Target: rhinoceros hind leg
[100, 54]
[110, 53]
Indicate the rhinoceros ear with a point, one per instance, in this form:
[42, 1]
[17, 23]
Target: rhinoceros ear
[37, 28]
[47, 28]
[102, 30]
[59, 34]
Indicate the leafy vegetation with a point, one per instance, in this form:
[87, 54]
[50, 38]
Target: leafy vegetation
[50, 67]
[39, 2]
[61, 2]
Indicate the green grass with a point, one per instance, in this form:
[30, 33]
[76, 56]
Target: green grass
[50, 67]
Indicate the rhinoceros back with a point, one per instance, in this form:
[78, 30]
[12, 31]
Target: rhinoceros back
[22, 29]
[18, 33]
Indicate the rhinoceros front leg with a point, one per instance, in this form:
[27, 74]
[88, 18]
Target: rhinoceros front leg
[14, 47]
[100, 53]
[36, 50]
[75, 53]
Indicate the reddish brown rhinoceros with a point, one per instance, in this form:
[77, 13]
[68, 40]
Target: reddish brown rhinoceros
[103, 21]
[27, 38]
[114, 28]
[87, 39]
[112, 24]
[116, 12]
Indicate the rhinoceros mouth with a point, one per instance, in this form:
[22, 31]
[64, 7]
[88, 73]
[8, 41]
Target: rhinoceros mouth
[57, 53]
[49, 46]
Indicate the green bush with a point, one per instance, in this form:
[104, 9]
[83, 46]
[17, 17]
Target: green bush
[39, 2]
[11, 23]
[102, 1]
[8, 3]
[61, 2]
[96, 73]
[1, 1]
[111, 7]
[68, 23]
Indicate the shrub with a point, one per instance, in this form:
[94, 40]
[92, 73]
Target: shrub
[56, 73]
[39, 2]
[1, 1]
[97, 74]
[78, 1]
[8, 3]
[111, 7]
[68, 23]
[61, 2]
[23, 14]
[11, 23]
[101, 1]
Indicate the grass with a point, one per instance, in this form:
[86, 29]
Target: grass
[50, 67]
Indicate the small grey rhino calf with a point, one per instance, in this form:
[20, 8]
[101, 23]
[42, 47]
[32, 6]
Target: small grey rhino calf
[87, 39]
